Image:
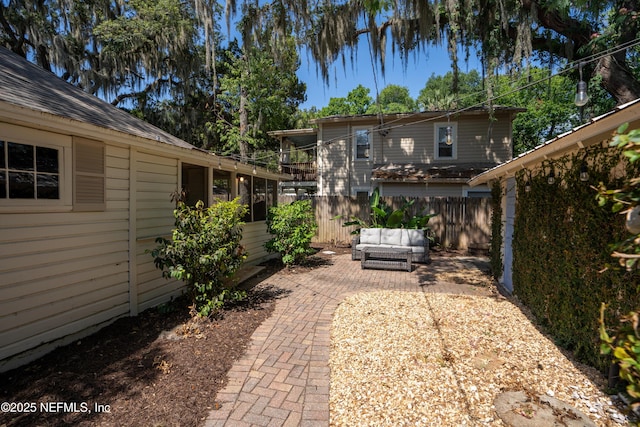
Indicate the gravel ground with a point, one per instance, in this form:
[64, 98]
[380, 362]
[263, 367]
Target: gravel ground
[427, 359]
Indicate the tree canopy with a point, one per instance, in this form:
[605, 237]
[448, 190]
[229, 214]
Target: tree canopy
[163, 60]
[441, 93]
[356, 102]
[394, 99]
[602, 36]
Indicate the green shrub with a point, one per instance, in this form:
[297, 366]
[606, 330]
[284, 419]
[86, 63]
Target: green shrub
[624, 197]
[625, 347]
[204, 250]
[293, 226]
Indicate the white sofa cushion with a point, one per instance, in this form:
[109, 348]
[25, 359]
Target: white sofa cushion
[404, 239]
[370, 236]
[416, 237]
[391, 236]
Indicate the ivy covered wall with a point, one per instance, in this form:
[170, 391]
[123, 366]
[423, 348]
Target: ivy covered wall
[562, 266]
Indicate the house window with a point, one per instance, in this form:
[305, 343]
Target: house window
[222, 185]
[361, 143]
[361, 193]
[244, 193]
[194, 183]
[259, 197]
[259, 194]
[446, 136]
[29, 171]
[272, 194]
[478, 194]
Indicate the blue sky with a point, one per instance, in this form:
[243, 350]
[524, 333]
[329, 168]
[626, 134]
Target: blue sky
[343, 79]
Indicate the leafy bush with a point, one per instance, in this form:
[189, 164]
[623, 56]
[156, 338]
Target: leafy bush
[293, 226]
[384, 216]
[625, 346]
[204, 250]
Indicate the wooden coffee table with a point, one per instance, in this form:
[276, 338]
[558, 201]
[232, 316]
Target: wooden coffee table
[386, 258]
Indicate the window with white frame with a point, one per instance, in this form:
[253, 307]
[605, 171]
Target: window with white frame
[446, 144]
[361, 143]
[45, 170]
[29, 171]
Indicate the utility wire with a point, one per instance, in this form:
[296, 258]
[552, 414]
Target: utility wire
[389, 125]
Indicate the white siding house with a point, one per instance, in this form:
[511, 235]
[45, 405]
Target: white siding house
[84, 191]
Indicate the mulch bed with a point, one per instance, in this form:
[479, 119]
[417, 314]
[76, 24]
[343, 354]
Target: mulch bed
[159, 368]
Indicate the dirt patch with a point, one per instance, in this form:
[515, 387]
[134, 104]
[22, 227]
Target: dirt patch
[159, 368]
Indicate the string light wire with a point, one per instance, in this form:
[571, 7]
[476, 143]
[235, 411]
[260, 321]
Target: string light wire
[389, 125]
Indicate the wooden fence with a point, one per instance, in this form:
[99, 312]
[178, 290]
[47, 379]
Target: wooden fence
[462, 223]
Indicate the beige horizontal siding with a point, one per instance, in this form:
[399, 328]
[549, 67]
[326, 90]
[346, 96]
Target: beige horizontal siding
[254, 236]
[70, 323]
[482, 141]
[63, 272]
[407, 144]
[334, 159]
[405, 190]
[31, 288]
[73, 285]
[156, 179]
[443, 190]
[37, 232]
[63, 300]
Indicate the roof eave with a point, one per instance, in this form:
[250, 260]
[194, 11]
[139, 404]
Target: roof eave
[580, 137]
[400, 116]
[45, 121]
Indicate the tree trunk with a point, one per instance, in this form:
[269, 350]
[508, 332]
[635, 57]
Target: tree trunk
[618, 80]
[243, 145]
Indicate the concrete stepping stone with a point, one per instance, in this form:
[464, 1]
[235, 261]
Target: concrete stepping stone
[518, 409]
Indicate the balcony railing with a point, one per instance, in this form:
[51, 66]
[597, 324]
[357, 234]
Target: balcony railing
[301, 171]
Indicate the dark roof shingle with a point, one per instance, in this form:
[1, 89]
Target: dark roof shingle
[27, 85]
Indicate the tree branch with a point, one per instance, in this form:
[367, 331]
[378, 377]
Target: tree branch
[151, 86]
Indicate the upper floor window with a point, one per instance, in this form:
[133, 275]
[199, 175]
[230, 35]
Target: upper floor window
[446, 144]
[361, 143]
[29, 171]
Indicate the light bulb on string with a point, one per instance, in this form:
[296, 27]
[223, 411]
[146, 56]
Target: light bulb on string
[582, 97]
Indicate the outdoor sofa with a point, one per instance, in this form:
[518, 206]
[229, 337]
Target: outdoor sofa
[402, 238]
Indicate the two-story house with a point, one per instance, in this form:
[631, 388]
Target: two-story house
[411, 154]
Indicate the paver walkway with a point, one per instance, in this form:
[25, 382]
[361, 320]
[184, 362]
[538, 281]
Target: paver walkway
[283, 379]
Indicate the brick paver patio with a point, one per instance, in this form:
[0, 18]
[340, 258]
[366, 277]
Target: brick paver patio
[283, 379]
